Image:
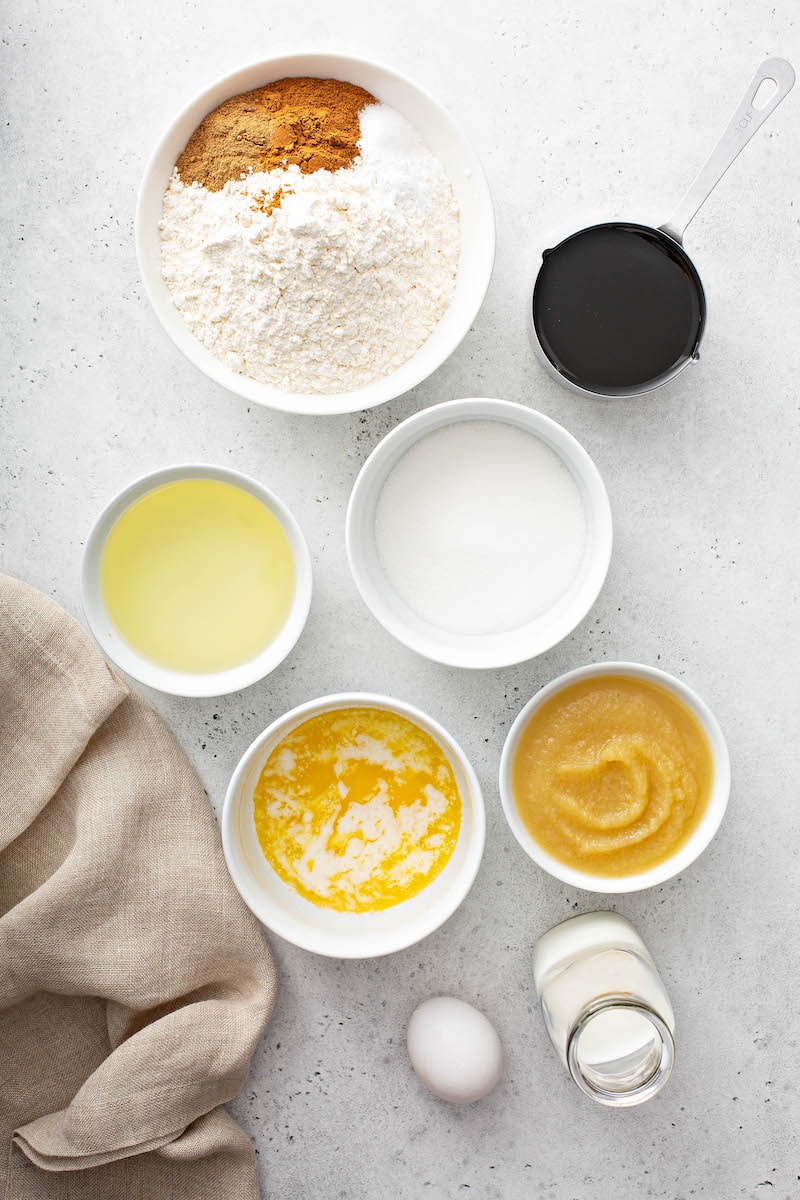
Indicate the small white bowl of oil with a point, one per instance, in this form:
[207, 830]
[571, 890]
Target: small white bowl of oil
[196, 580]
[322, 930]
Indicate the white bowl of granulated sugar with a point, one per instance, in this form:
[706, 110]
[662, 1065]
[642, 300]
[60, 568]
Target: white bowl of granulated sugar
[319, 248]
[479, 533]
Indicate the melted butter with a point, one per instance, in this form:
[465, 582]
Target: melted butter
[612, 775]
[357, 809]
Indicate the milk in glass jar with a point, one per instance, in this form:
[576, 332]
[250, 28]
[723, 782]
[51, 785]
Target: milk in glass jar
[606, 1008]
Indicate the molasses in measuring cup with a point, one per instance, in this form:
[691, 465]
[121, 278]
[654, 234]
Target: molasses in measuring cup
[619, 308]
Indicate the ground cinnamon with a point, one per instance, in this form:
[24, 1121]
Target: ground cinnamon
[266, 203]
[310, 122]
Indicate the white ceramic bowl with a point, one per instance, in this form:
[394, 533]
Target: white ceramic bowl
[179, 683]
[347, 935]
[485, 650]
[444, 139]
[701, 837]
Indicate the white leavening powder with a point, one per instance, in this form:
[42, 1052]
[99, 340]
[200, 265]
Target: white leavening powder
[339, 284]
[480, 528]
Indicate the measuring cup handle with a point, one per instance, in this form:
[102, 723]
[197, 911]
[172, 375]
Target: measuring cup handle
[744, 123]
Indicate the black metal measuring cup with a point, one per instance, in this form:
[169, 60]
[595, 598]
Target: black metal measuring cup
[619, 308]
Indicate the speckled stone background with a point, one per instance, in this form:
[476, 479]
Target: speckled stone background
[580, 111]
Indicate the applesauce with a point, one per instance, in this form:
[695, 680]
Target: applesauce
[612, 775]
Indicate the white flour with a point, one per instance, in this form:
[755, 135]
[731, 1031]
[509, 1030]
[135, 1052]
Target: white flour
[339, 284]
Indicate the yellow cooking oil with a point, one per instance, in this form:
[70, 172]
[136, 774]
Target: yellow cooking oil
[197, 575]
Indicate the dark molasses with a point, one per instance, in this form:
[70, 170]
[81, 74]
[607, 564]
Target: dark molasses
[618, 308]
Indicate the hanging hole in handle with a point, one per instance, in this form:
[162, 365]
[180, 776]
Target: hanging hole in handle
[764, 93]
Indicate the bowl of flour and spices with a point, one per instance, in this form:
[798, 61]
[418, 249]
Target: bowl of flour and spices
[315, 234]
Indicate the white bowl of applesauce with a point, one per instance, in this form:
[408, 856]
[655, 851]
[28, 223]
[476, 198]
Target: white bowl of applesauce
[615, 777]
[354, 825]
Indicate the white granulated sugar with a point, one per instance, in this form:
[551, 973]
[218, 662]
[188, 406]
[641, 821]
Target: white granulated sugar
[340, 284]
[480, 528]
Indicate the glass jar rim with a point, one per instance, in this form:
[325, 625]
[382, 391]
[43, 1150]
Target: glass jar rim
[643, 1091]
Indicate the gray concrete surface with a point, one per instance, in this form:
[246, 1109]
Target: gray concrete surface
[580, 111]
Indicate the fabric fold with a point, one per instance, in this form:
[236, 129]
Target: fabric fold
[134, 983]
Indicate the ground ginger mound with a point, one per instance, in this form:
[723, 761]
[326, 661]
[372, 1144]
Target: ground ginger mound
[312, 123]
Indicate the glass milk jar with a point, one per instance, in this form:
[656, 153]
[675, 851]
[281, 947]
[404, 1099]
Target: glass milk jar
[605, 1007]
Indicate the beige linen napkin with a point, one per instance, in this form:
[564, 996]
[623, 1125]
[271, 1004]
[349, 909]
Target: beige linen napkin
[134, 983]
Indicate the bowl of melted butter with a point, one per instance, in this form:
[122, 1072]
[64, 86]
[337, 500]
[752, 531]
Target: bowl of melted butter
[353, 826]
